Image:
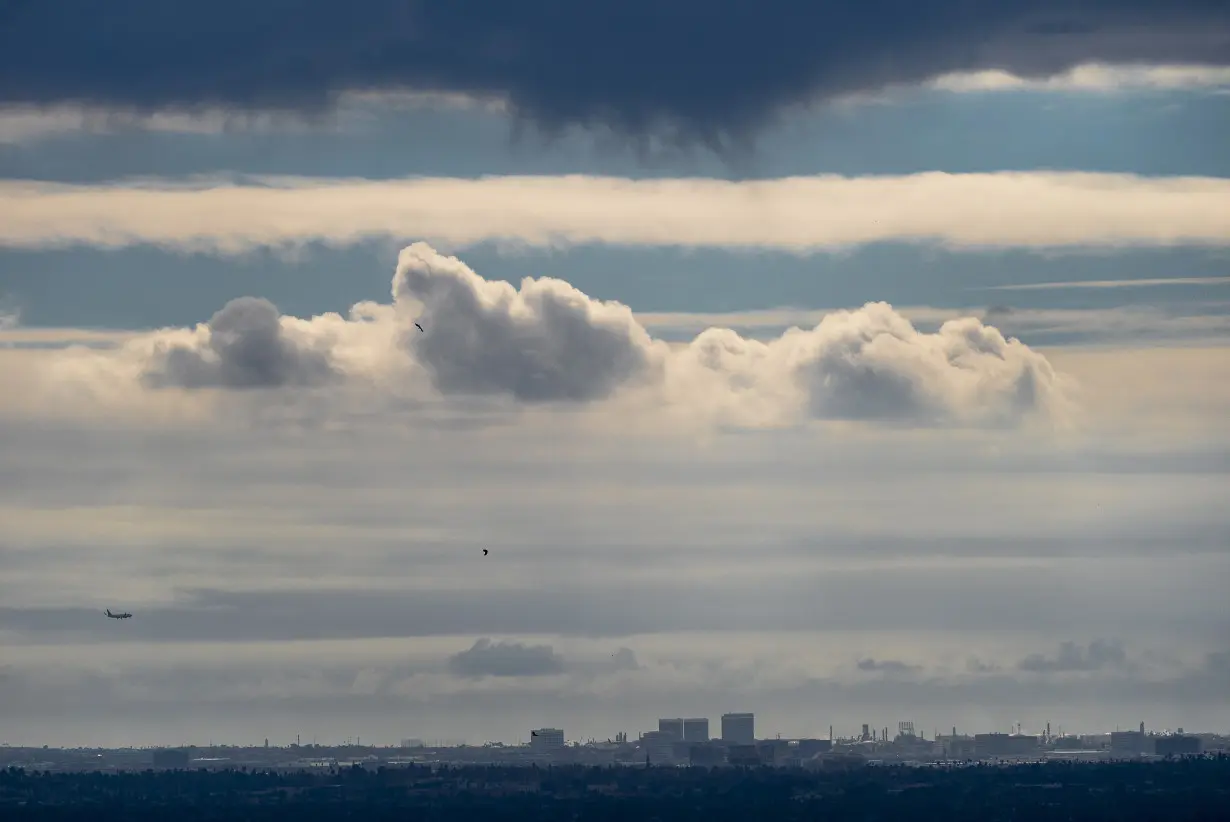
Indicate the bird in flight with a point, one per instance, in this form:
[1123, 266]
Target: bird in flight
[419, 327]
[118, 616]
[484, 552]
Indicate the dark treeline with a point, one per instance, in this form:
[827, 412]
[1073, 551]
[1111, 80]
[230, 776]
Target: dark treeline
[1170, 791]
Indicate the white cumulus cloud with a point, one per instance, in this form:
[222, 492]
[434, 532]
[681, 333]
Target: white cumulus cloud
[546, 342]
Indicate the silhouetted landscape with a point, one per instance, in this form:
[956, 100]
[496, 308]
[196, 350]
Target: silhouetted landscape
[1184, 789]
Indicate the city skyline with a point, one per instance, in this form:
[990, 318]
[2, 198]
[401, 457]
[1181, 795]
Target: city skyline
[414, 373]
[848, 732]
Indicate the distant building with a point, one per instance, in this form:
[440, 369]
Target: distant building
[1128, 743]
[170, 758]
[706, 754]
[696, 730]
[1004, 745]
[659, 746]
[959, 747]
[743, 755]
[674, 727]
[739, 729]
[546, 738]
[774, 751]
[1177, 745]
[810, 747]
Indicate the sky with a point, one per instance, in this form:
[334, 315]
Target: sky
[839, 363]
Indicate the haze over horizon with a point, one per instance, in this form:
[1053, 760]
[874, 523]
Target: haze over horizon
[794, 380]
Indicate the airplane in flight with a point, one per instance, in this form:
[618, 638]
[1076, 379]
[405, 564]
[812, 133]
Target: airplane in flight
[118, 616]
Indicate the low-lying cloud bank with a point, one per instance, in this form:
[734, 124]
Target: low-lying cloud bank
[799, 214]
[546, 342]
[511, 668]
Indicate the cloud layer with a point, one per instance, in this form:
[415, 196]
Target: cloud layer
[696, 70]
[505, 658]
[262, 690]
[317, 581]
[1003, 209]
[357, 110]
[546, 342]
[1099, 654]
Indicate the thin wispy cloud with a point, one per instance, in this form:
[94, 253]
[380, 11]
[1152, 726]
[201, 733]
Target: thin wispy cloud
[1091, 78]
[10, 318]
[1141, 283]
[352, 113]
[800, 214]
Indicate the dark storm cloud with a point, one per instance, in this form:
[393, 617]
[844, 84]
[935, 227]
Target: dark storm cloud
[487, 658]
[703, 69]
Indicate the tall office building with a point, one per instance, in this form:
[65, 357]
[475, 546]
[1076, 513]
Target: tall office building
[739, 729]
[674, 727]
[696, 730]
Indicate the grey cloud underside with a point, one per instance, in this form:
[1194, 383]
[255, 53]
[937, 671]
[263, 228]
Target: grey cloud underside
[487, 658]
[546, 341]
[887, 666]
[698, 69]
[246, 348]
[255, 687]
[1098, 655]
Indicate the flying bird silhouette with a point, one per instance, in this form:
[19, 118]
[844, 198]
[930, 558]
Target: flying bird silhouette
[484, 552]
[419, 327]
